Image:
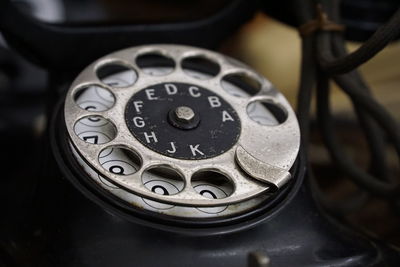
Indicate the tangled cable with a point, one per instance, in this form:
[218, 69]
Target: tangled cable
[325, 59]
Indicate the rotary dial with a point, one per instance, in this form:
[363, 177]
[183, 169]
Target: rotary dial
[178, 135]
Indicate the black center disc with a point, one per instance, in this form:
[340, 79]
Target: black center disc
[151, 116]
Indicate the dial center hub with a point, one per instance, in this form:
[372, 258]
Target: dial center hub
[183, 117]
[184, 114]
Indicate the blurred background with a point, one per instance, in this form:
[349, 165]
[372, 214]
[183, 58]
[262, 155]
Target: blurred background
[273, 49]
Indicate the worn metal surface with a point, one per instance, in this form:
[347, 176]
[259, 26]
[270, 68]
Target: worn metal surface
[274, 145]
[261, 171]
[184, 113]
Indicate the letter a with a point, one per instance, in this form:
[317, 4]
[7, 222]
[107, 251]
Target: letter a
[226, 116]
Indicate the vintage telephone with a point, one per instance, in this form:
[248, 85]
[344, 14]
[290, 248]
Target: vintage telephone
[179, 155]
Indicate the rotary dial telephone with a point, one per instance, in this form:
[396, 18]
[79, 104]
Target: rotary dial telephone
[158, 150]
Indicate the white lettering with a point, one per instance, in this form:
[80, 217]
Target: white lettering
[173, 150]
[149, 136]
[226, 116]
[138, 105]
[195, 150]
[171, 89]
[150, 94]
[194, 91]
[139, 122]
[214, 101]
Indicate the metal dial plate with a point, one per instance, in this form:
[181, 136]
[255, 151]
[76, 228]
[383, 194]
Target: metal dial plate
[268, 148]
[116, 162]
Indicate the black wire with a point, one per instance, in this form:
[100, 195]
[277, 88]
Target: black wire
[325, 120]
[373, 108]
[382, 37]
[304, 13]
[374, 136]
[307, 83]
[369, 110]
[332, 58]
[344, 162]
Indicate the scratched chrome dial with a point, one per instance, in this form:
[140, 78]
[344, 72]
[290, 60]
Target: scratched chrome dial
[257, 158]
